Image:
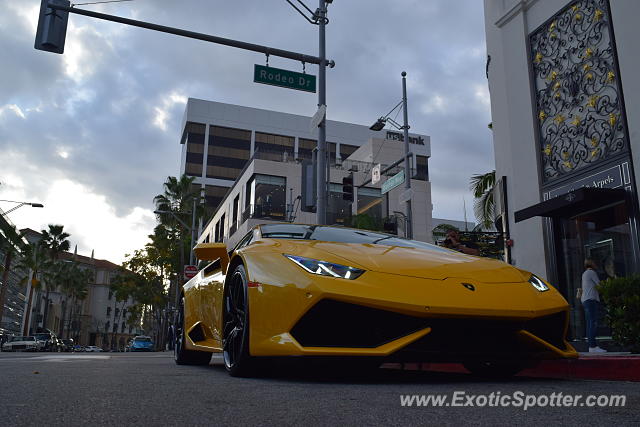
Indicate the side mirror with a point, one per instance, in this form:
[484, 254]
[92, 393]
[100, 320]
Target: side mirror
[211, 252]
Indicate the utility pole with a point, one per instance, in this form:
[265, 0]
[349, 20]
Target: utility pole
[407, 170]
[321, 189]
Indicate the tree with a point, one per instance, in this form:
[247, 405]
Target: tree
[56, 241]
[74, 286]
[178, 197]
[33, 259]
[482, 186]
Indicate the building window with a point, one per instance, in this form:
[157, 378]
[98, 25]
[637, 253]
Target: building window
[106, 326]
[117, 312]
[214, 195]
[338, 209]
[195, 148]
[109, 310]
[347, 150]
[228, 152]
[305, 148]
[579, 111]
[122, 328]
[235, 208]
[370, 203]
[268, 196]
[110, 295]
[422, 168]
[274, 147]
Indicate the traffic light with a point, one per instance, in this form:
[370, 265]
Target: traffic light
[347, 188]
[52, 26]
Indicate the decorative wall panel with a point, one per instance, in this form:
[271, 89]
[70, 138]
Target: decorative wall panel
[578, 98]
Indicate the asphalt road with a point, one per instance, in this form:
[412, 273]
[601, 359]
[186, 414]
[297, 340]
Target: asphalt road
[149, 389]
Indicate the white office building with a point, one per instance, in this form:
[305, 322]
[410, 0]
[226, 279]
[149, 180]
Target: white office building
[250, 162]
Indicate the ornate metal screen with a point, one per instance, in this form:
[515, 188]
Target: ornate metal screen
[578, 96]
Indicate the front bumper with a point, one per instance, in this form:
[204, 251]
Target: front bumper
[409, 319]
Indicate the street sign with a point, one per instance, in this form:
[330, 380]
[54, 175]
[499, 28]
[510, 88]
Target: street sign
[284, 78]
[375, 174]
[393, 182]
[190, 271]
[406, 195]
[318, 117]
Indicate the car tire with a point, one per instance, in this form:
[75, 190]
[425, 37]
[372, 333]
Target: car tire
[494, 369]
[235, 330]
[181, 355]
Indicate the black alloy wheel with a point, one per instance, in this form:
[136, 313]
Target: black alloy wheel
[235, 341]
[181, 355]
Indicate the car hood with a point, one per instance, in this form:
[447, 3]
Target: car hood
[437, 264]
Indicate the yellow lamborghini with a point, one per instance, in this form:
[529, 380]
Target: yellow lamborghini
[308, 290]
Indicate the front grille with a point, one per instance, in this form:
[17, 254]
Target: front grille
[332, 323]
[19, 347]
[498, 338]
[549, 328]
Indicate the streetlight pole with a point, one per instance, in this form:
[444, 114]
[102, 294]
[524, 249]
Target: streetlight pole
[321, 185]
[20, 204]
[407, 171]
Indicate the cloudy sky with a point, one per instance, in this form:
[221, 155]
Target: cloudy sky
[93, 133]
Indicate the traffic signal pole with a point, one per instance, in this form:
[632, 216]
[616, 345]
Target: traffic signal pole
[51, 4]
[321, 184]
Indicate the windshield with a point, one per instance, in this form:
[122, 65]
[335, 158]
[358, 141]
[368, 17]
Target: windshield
[142, 339]
[42, 337]
[341, 235]
[22, 339]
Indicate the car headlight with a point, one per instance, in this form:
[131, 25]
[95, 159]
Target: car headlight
[324, 268]
[538, 283]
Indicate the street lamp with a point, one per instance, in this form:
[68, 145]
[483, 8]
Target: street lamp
[20, 204]
[379, 125]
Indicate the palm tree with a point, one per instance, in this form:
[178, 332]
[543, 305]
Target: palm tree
[483, 206]
[33, 260]
[56, 241]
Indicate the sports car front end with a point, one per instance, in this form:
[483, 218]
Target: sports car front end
[400, 303]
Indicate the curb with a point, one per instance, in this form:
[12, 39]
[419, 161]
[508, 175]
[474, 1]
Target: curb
[608, 368]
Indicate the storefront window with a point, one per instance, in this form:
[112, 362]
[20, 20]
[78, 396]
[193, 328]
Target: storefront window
[268, 196]
[604, 236]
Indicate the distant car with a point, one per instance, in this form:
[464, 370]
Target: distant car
[47, 340]
[141, 343]
[21, 344]
[78, 348]
[92, 348]
[67, 345]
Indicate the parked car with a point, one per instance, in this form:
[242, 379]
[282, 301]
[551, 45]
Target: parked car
[21, 344]
[78, 348]
[67, 345]
[47, 340]
[309, 290]
[141, 343]
[92, 348]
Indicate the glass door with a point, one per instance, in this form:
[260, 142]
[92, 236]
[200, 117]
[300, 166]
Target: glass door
[603, 235]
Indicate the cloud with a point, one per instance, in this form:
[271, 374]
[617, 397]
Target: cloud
[103, 119]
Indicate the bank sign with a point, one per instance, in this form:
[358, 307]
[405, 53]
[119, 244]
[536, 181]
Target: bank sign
[397, 136]
[284, 78]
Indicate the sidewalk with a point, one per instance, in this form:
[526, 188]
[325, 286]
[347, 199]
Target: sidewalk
[607, 366]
